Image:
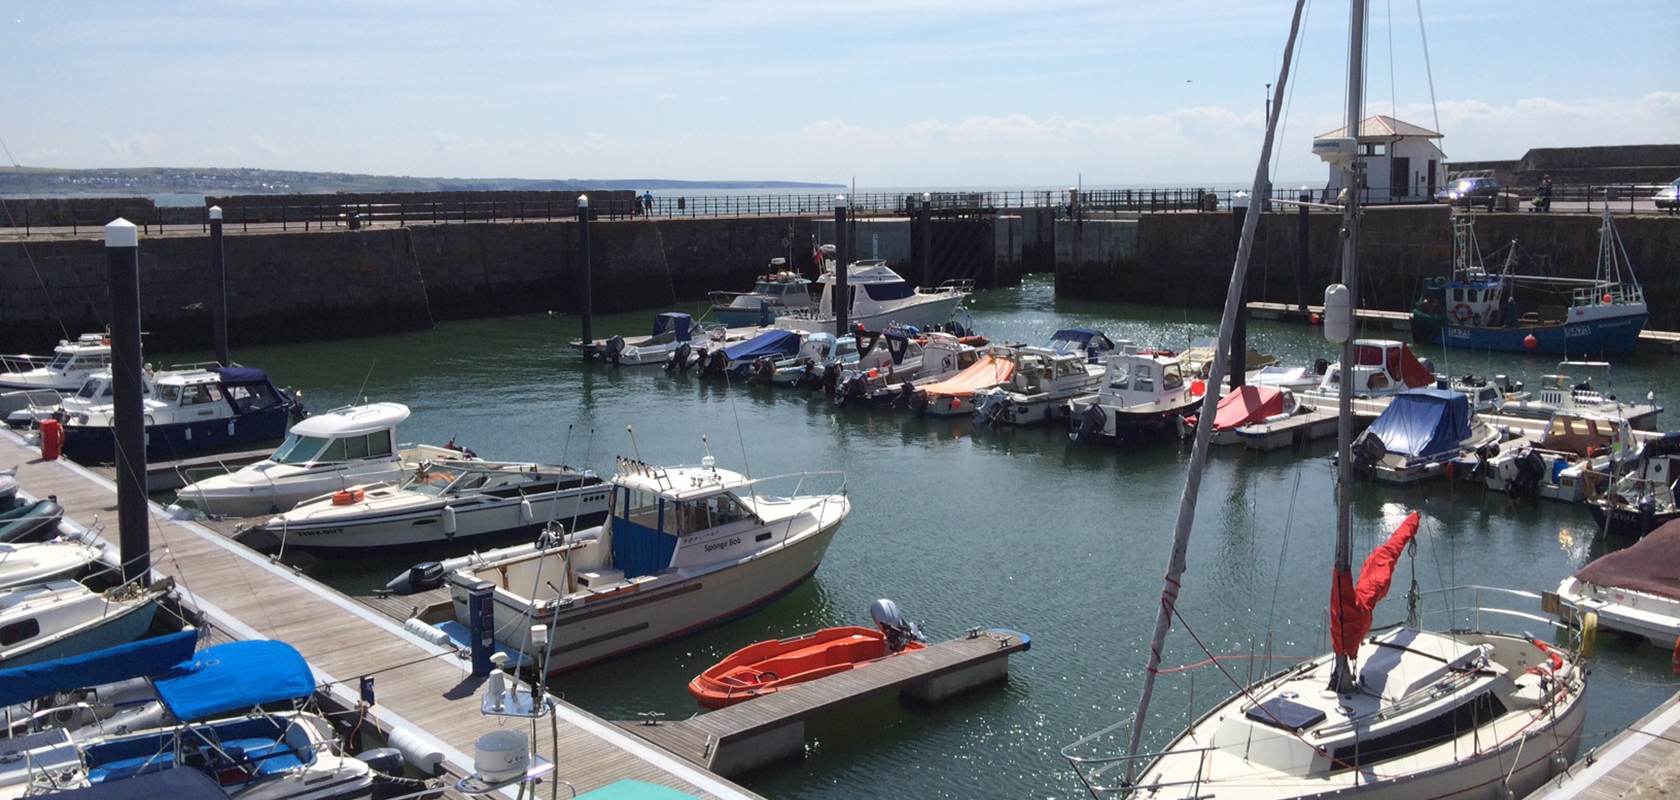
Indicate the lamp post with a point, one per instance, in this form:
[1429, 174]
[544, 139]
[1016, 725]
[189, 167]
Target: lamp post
[584, 294]
[1239, 332]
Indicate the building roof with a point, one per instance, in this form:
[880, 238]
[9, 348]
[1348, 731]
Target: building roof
[1384, 127]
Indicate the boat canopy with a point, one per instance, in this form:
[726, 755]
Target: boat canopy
[133, 660]
[234, 677]
[674, 322]
[768, 343]
[1423, 422]
[234, 375]
[1079, 340]
[1396, 358]
[898, 345]
[989, 371]
[175, 784]
[1247, 406]
[1650, 565]
[352, 421]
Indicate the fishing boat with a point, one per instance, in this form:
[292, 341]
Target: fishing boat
[1419, 435]
[1394, 711]
[1640, 497]
[1141, 398]
[443, 505]
[63, 618]
[1039, 390]
[189, 412]
[258, 755]
[767, 667]
[879, 298]
[1477, 309]
[684, 548]
[774, 293]
[955, 396]
[1634, 589]
[325, 453]
[1565, 462]
[33, 380]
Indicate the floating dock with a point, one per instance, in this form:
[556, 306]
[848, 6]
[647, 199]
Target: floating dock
[771, 728]
[1640, 763]
[425, 695]
[1669, 341]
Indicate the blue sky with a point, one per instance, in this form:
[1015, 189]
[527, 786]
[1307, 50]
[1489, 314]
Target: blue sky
[909, 93]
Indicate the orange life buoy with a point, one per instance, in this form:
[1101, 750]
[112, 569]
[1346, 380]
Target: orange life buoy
[1461, 313]
[344, 497]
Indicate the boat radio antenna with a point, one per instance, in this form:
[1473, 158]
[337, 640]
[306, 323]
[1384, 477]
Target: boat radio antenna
[365, 378]
[567, 446]
[633, 447]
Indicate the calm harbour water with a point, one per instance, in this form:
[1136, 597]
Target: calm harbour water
[968, 525]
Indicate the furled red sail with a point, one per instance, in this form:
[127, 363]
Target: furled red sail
[1351, 607]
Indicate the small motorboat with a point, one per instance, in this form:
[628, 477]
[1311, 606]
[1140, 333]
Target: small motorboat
[31, 522]
[1641, 498]
[737, 359]
[671, 331]
[1040, 388]
[1634, 589]
[1563, 462]
[41, 562]
[1093, 344]
[766, 667]
[774, 293]
[1141, 398]
[1419, 435]
[327, 452]
[1248, 405]
[188, 412]
[444, 505]
[924, 358]
[955, 396]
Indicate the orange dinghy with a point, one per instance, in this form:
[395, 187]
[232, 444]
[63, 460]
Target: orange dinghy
[766, 667]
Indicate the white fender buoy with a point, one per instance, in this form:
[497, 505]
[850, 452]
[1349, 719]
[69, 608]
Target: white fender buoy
[449, 520]
[188, 434]
[1338, 313]
[430, 633]
[525, 513]
[416, 749]
[230, 427]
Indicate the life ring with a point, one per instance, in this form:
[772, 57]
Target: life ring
[1461, 313]
[344, 497]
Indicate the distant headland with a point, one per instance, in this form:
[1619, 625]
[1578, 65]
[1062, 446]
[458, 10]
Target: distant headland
[44, 182]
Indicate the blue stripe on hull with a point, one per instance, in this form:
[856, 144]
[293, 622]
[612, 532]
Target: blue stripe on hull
[94, 444]
[1618, 335]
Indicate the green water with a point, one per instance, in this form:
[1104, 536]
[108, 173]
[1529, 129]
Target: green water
[973, 526]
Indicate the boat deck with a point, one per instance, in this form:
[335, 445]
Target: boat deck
[1640, 763]
[423, 689]
[755, 732]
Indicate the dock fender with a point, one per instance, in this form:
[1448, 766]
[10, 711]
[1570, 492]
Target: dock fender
[448, 521]
[417, 750]
[525, 513]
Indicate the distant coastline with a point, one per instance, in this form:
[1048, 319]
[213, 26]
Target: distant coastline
[40, 182]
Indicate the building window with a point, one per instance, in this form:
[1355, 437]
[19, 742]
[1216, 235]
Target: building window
[1373, 149]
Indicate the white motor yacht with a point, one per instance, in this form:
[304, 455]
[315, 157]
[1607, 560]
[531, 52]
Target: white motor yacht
[34, 380]
[880, 298]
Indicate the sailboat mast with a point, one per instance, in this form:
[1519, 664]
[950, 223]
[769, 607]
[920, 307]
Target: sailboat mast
[1204, 422]
[1342, 679]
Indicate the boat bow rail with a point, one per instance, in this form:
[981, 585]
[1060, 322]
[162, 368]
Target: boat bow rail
[1465, 608]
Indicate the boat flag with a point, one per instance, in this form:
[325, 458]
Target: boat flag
[1351, 607]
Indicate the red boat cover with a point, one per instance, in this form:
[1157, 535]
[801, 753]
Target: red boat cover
[1350, 607]
[1397, 361]
[983, 374]
[1246, 406]
[1650, 565]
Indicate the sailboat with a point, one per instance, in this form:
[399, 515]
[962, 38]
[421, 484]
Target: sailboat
[1397, 711]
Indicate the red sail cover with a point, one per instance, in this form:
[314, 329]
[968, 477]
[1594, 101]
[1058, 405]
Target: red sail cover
[1351, 607]
[1246, 406]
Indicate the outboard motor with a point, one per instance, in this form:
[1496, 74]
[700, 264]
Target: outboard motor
[831, 378]
[763, 371]
[612, 349]
[918, 401]
[678, 359]
[892, 623]
[1091, 422]
[850, 392]
[716, 365]
[1320, 367]
[295, 413]
[1531, 469]
[808, 378]
[425, 576]
[1367, 451]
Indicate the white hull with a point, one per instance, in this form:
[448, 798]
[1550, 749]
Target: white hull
[366, 529]
[1648, 615]
[39, 562]
[921, 311]
[224, 497]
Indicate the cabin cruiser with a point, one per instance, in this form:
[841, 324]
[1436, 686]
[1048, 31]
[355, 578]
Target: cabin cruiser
[1418, 435]
[188, 411]
[774, 293]
[879, 298]
[443, 505]
[32, 380]
[685, 548]
[1633, 589]
[1574, 452]
[322, 454]
[1039, 390]
[1141, 398]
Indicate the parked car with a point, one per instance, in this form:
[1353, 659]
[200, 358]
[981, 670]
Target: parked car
[1471, 191]
[1668, 197]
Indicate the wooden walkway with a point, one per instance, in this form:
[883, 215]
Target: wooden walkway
[423, 689]
[1640, 763]
[1402, 321]
[749, 734]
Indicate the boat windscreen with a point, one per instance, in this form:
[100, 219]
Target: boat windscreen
[298, 449]
[432, 479]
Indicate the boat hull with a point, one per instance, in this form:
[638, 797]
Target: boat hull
[930, 312]
[1620, 519]
[767, 667]
[1615, 334]
[120, 624]
[424, 530]
[95, 444]
[675, 604]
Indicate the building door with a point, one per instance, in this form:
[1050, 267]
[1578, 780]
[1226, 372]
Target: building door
[1434, 166]
[1399, 177]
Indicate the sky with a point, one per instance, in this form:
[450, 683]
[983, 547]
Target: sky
[906, 93]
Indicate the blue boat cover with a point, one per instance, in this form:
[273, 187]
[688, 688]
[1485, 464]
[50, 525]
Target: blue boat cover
[133, 660]
[241, 374]
[768, 343]
[175, 784]
[1075, 340]
[673, 321]
[234, 677]
[1423, 422]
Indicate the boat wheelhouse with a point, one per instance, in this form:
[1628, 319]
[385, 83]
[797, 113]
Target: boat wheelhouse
[774, 293]
[879, 298]
[1142, 397]
[188, 412]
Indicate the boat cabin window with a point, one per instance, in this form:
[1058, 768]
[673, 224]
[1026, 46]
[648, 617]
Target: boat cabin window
[643, 509]
[200, 394]
[897, 290]
[22, 630]
[298, 449]
[61, 361]
[1366, 355]
[1119, 377]
[92, 389]
[695, 516]
[253, 397]
[168, 393]
[1171, 377]
[348, 448]
[1143, 377]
